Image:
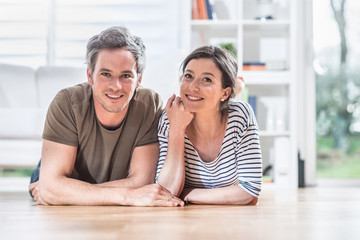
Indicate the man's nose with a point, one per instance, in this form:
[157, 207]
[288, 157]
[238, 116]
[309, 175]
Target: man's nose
[116, 83]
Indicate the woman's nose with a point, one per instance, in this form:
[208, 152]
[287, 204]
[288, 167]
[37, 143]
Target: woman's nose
[194, 85]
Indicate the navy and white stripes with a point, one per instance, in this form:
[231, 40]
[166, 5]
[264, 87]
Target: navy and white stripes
[239, 161]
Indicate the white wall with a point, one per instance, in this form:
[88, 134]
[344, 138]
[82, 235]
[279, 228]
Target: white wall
[55, 32]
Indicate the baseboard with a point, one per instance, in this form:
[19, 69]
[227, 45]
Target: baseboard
[14, 184]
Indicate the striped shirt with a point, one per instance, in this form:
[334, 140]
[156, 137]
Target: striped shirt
[239, 161]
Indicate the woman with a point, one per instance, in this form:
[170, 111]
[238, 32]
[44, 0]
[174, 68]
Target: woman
[221, 163]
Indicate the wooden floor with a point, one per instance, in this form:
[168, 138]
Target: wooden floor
[311, 213]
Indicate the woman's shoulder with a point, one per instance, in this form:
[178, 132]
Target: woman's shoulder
[164, 117]
[241, 111]
[163, 127]
[239, 108]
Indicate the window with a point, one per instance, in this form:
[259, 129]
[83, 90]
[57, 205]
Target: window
[338, 88]
[55, 32]
[24, 31]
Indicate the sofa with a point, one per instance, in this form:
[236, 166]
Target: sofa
[25, 94]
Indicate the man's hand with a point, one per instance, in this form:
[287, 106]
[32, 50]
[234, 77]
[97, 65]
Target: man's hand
[34, 189]
[153, 195]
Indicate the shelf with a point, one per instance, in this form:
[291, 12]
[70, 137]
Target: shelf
[266, 77]
[214, 24]
[253, 22]
[264, 133]
[270, 43]
[235, 23]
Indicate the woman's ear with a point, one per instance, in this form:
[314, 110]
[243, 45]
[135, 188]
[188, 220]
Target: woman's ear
[226, 94]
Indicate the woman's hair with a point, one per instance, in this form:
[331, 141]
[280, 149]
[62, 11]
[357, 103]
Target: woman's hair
[225, 61]
[116, 37]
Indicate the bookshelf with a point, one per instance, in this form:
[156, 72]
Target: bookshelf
[263, 33]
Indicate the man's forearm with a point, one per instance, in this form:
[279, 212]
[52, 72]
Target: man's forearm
[130, 182]
[67, 191]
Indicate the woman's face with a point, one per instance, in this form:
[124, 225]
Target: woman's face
[201, 86]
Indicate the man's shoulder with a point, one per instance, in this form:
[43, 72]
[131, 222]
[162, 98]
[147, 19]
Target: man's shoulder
[147, 97]
[77, 94]
[142, 92]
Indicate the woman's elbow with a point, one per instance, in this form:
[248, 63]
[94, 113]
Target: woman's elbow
[251, 200]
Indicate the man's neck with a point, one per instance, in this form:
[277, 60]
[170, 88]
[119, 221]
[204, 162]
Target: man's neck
[110, 120]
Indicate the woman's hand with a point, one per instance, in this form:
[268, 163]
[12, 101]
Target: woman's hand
[178, 117]
[240, 85]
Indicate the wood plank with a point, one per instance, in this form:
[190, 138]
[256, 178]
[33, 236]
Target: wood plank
[311, 213]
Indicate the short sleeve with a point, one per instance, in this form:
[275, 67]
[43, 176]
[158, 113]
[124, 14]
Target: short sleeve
[248, 151]
[145, 115]
[60, 125]
[163, 135]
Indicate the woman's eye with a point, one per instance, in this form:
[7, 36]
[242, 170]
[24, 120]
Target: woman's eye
[207, 80]
[188, 76]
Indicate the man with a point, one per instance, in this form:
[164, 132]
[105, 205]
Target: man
[100, 138]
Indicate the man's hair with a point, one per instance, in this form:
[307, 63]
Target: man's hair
[116, 37]
[225, 61]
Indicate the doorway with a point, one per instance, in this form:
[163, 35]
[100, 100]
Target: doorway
[336, 43]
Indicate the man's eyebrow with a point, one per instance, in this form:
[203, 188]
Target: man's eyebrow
[108, 70]
[127, 71]
[105, 70]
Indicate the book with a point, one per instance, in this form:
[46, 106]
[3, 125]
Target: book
[195, 10]
[202, 9]
[252, 101]
[254, 66]
[210, 9]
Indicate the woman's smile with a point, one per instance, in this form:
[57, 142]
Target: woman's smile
[193, 98]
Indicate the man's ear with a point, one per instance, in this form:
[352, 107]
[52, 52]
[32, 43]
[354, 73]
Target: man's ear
[139, 81]
[89, 77]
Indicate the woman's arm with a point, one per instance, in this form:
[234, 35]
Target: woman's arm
[172, 174]
[232, 195]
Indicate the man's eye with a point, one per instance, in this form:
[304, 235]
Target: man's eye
[126, 76]
[105, 74]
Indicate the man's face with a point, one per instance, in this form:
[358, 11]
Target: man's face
[113, 80]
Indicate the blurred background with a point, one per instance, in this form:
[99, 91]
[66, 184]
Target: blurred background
[317, 78]
[337, 68]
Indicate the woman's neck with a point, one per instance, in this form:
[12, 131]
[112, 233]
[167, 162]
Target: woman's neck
[207, 126]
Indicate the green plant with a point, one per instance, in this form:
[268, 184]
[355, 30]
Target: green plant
[230, 47]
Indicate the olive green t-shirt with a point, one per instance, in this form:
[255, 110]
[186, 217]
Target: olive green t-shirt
[102, 155]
